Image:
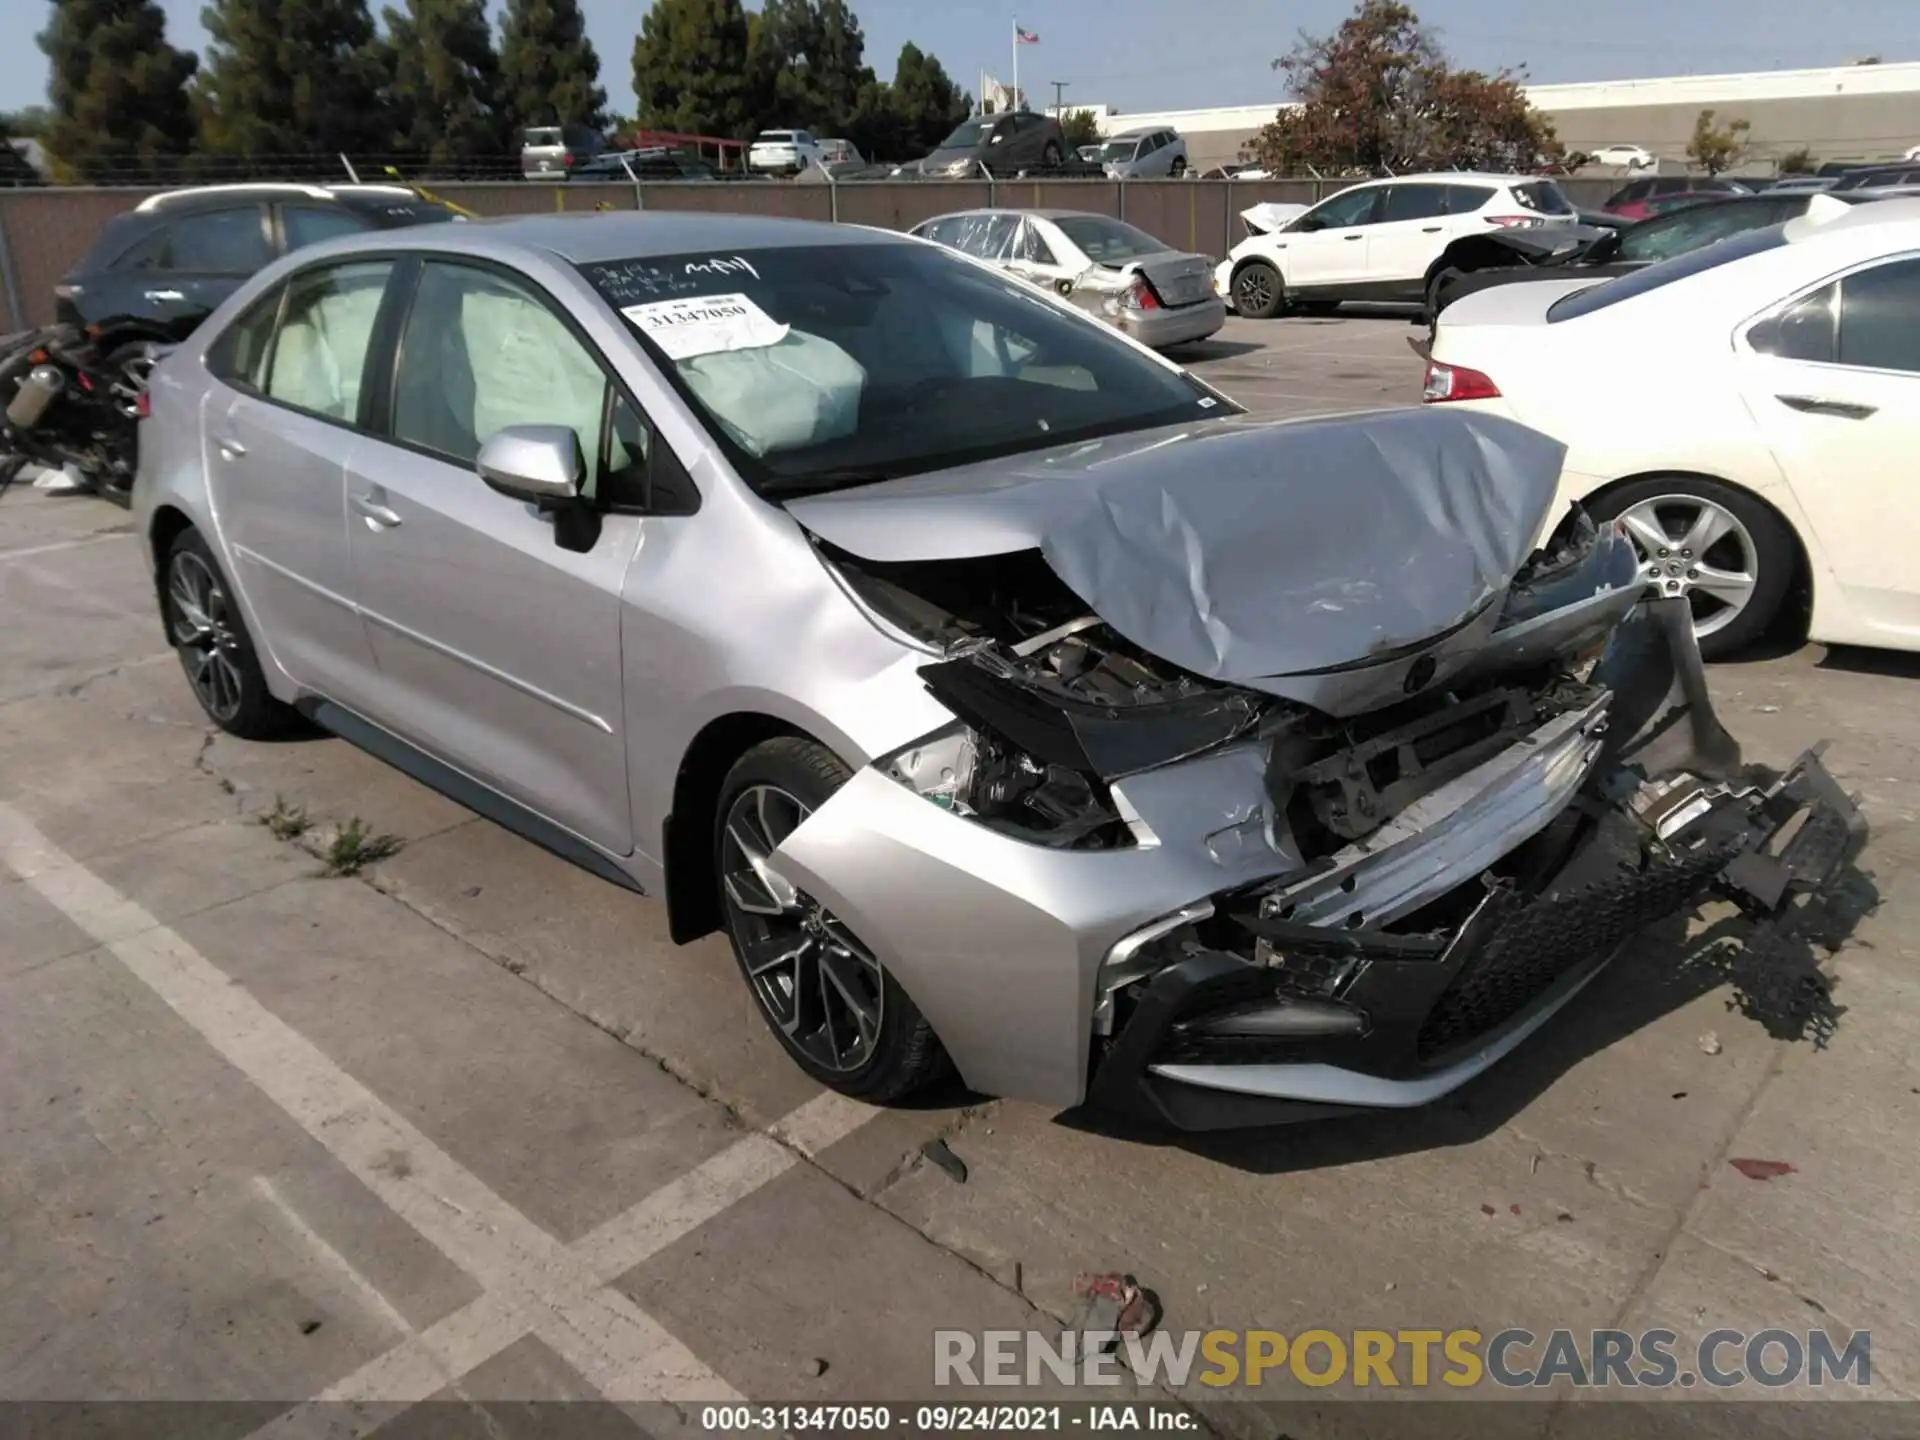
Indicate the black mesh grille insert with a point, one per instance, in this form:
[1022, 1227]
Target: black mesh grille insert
[1538, 943]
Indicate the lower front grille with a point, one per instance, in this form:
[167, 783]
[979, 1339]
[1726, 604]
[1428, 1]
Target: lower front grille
[1538, 943]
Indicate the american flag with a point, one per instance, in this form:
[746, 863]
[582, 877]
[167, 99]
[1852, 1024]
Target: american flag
[1024, 37]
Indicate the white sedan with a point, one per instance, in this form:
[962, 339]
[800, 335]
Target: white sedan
[1749, 411]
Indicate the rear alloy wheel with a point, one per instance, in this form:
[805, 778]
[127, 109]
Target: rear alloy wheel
[822, 992]
[1726, 552]
[1258, 292]
[215, 650]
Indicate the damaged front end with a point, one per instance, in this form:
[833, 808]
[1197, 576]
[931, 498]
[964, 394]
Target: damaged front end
[1424, 879]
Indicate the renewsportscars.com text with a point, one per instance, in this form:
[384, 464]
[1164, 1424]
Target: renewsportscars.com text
[1391, 1359]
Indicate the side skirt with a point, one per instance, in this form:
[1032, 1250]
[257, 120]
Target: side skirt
[464, 790]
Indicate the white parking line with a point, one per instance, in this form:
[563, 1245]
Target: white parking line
[54, 547]
[530, 1282]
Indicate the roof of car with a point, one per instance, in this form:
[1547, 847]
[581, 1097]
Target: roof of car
[1138, 131]
[194, 195]
[1043, 212]
[1451, 177]
[587, 237]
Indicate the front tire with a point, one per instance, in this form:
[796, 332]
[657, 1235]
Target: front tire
[1050, 157]
[831, 1004]
[206, 629]
[1258, 291]
[1728, 553]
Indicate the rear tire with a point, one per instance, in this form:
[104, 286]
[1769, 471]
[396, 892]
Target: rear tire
[880, 1054]
[1758, 544]
[1258, 291]
[205, 626]
[1050, 157]
[1180, 168]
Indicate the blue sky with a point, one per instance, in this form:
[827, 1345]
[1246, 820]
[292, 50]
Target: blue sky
[1150, 54]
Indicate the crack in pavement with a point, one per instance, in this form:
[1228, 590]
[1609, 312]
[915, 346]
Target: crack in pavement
[1590, 1168]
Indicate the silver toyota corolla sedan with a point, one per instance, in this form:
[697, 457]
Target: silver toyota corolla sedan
[1008, 697]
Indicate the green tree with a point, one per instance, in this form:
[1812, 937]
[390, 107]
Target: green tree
[1718, 147]
[925, 101]
[120, 105]
[1081, 128]
[1378, 95]
[549, 67]
[690, 69]
[292, 78]
[807, 62]
[445, 83]
[29, 122]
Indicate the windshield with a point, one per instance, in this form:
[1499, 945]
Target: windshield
[1108, 242]
[1665, 272]
[1119, 149]
[823, 366]
[967, 134]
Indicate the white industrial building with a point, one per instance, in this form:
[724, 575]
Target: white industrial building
[1866, 111]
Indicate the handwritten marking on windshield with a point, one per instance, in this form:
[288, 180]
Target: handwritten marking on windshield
[720, 265]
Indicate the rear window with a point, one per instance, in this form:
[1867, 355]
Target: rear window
[1543, 196]
[775, 137]
[1657, 276]
[1108, 242]
[542, 136]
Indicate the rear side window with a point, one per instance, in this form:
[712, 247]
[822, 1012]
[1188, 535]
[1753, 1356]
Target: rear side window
[1880, 317]
[1467, 199]
[217, 242]
[1543, 196]
[321, 348]
[239, 355]
[1654, 277]
[541, 138]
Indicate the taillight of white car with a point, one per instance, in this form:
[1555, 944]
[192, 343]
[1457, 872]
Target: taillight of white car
[1514, 222]
[1457, 382]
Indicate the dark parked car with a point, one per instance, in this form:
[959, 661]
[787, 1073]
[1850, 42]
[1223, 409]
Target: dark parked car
[1631, 199]
[656, 163]
[1872, 176]
[178, 254]
[1503, 257]
[1004, 144]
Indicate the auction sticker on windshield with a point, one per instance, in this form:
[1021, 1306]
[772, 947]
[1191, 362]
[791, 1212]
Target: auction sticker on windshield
[706, 325]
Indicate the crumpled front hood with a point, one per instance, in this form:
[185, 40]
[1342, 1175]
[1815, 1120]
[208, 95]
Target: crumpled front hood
[1240, 549]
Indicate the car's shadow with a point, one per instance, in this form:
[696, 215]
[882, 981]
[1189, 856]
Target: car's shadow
[1859, 660]
[1210, 350]
[1778, 985]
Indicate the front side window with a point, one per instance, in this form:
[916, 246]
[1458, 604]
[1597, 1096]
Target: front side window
[1108, 242]
[1665, 272]
[1349, 207]
[480, 352]
[969, 134]
[320, 351]
[822, 366]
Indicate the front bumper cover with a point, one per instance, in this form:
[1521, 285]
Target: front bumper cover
[1216, 1041]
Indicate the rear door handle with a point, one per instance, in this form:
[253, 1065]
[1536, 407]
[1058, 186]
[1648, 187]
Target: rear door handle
[1815, 405]
[1431, 229]
[1360, 236]
[229, 447]
[379, 514]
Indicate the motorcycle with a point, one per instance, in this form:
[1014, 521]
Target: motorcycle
[74, 396]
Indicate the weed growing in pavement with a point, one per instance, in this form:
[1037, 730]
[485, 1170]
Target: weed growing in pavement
[354, 846]
[286, 822]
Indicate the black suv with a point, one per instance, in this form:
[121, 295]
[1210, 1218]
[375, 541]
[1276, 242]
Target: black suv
[178, 254]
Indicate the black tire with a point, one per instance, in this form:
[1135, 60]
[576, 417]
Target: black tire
[222, 666]
[904, 1055]
[1775, 555]
[1258, 291]
[1179, 167]
[1050, 157]
[1438, 286]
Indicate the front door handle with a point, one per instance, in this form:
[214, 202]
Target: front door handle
[1814, 405]
[1431, 229]
[160, 297]
[377, 514]
[229, 447]
[1353, 237]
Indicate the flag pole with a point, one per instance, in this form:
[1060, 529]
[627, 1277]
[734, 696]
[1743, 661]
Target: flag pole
[1013, 102]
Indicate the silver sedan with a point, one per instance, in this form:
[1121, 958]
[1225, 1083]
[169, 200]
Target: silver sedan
[1010, 699]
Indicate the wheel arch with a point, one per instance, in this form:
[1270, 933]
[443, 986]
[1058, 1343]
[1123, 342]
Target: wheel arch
[692, 887]
[1801, 580]
[169, 522]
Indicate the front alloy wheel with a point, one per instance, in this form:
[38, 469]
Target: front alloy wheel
[815, 982]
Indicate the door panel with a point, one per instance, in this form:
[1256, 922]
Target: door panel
[181, 273]
[1839, 403]
[1335, 253]
[1411, 230]
[279, 439]
[499, 651]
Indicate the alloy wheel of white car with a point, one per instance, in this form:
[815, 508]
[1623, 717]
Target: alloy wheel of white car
[1694, 547]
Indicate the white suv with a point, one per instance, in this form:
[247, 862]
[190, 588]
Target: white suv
[783, 152]
[1378, 240]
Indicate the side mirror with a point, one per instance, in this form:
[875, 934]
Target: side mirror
[995, 140]
[540, 464]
